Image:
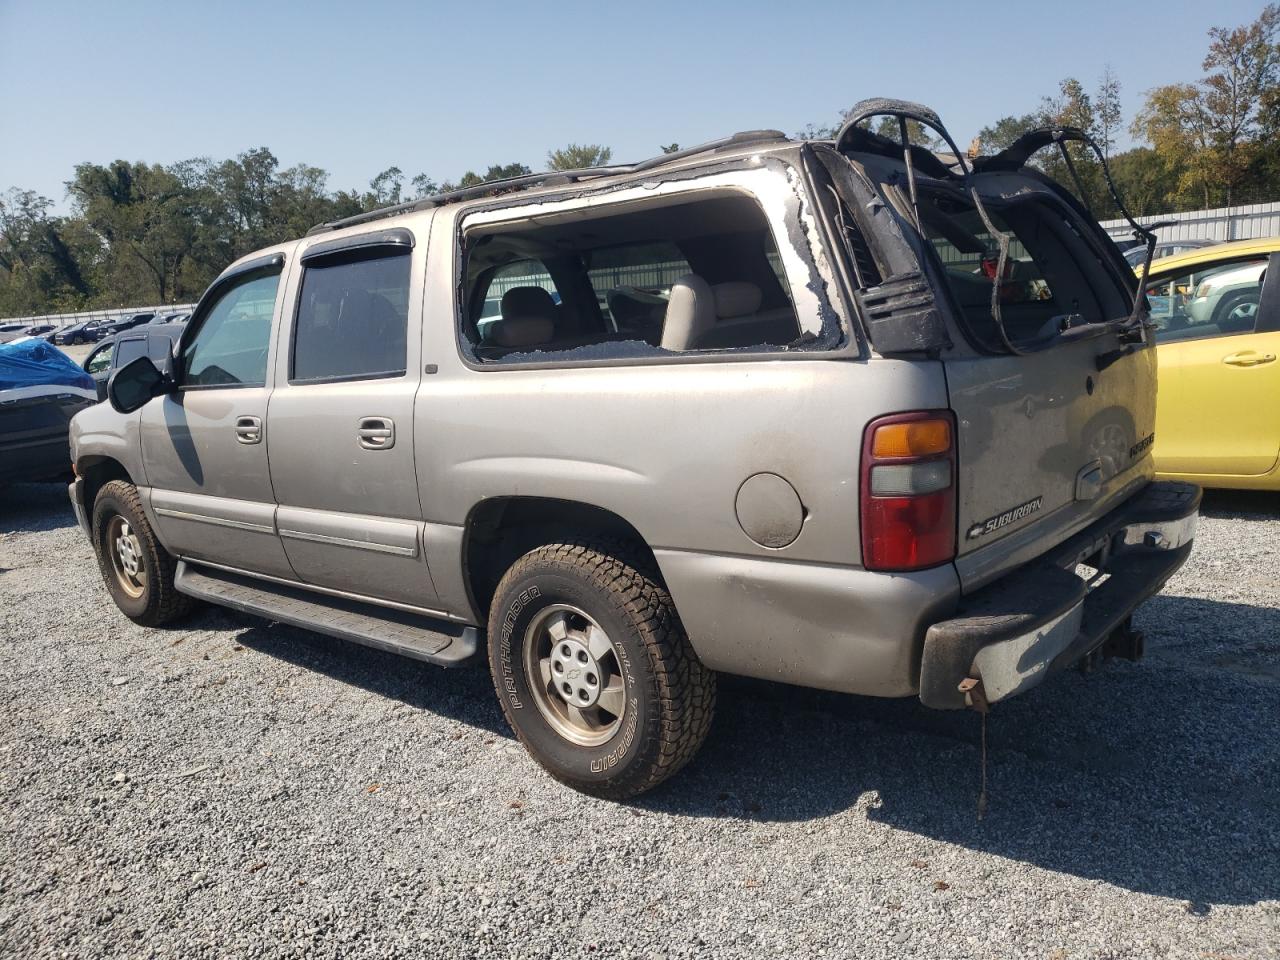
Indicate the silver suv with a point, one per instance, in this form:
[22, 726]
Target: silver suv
[850, 414]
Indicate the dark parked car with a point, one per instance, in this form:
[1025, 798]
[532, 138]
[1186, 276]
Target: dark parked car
[150, 340]
[110, 328]
[41, 389]
[170, 318]
[83, 332]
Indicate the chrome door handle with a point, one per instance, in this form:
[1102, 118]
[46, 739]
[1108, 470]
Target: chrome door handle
[249, 429]
[376, 433]
[1248, 358]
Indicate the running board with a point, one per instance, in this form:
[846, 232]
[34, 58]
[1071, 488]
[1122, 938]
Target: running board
[396, 631]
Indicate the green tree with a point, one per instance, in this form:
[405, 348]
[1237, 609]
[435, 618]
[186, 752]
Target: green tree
[1213, 126]
[578, 156]
[145, 216]
[385, 188]
[42, 258]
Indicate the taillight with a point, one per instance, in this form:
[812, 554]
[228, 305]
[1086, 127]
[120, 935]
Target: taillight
[909, 491]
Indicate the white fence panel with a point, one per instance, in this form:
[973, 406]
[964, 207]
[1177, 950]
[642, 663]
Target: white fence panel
[66, 319]
[1248, 221]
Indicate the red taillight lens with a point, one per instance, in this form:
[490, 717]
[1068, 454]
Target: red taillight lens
[909, 491]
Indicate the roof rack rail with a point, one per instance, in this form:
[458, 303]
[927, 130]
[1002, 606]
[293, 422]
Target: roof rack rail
[546, 178]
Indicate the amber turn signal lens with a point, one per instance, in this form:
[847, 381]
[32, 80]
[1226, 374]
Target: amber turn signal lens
[915, 438]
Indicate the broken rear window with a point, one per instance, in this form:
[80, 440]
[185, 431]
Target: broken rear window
[1051, 280]
[668, 275]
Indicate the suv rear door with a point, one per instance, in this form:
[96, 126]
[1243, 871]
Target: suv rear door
[341, 418]
[203, 447]
[1055, 402]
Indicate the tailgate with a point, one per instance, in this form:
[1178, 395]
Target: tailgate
[1046, 444]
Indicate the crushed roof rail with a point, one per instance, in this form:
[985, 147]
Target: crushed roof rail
[547, 178]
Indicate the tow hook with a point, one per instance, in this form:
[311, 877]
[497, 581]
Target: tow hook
[1125, 642]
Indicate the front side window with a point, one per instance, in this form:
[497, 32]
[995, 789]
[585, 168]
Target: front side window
[230, 346]
[1210, 300]
[99, 360]
[353, 318]
[128, 350]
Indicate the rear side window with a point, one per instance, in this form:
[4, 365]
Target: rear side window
[230, 347]
[353, 318]
[667, 276]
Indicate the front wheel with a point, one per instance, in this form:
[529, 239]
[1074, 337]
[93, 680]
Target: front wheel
[593, 668]
[138, 571]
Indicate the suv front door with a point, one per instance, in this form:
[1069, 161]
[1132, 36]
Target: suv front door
[204, 447]
[341, 419]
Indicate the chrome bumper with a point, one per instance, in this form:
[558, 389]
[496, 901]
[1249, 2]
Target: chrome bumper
[1007, 637]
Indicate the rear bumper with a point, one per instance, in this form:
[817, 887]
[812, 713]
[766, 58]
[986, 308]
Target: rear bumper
[1043, 617]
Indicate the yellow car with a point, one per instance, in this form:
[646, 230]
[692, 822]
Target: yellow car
[1217, 316]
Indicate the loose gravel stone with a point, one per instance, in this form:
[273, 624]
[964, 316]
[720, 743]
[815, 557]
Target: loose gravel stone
[255, 790]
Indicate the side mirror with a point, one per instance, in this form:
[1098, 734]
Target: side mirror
[135, 383]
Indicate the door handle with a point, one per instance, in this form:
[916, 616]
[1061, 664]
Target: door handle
[1248, 358]
[376, 433]
[249, 429]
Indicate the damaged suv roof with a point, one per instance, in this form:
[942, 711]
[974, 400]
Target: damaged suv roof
[736, 145]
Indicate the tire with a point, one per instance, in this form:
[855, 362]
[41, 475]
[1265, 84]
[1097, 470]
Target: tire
[542, 615]
[1222, 315]
[139, 575]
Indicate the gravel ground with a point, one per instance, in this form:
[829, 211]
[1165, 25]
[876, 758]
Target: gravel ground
[237, 789]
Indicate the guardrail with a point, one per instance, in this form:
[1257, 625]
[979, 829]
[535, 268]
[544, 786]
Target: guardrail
[66, 319]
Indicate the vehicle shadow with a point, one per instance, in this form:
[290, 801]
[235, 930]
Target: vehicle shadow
[1241, 504]
[464, 694]
[1159, 777]
[32, 507]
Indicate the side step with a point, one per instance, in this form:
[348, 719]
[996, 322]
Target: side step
[397, 631]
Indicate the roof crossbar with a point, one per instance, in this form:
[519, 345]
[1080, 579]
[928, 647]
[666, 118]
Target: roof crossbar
[547, 178]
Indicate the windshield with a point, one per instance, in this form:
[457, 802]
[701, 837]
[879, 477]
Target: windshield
[1050, 282]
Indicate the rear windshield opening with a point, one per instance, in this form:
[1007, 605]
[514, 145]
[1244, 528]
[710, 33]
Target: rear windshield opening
[685, 276]
[1051, 279]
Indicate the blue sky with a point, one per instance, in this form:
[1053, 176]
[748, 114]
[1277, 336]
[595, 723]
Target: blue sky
[444, 87]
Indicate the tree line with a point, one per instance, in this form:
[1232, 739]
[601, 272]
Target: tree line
[153, 233]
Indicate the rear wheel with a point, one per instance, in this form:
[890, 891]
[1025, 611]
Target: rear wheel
[137, 570]
[593, 668]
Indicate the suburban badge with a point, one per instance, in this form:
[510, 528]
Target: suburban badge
[1004, 519]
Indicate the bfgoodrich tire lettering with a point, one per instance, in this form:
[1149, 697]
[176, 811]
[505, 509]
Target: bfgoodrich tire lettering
[139, 572]
[667, 696]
